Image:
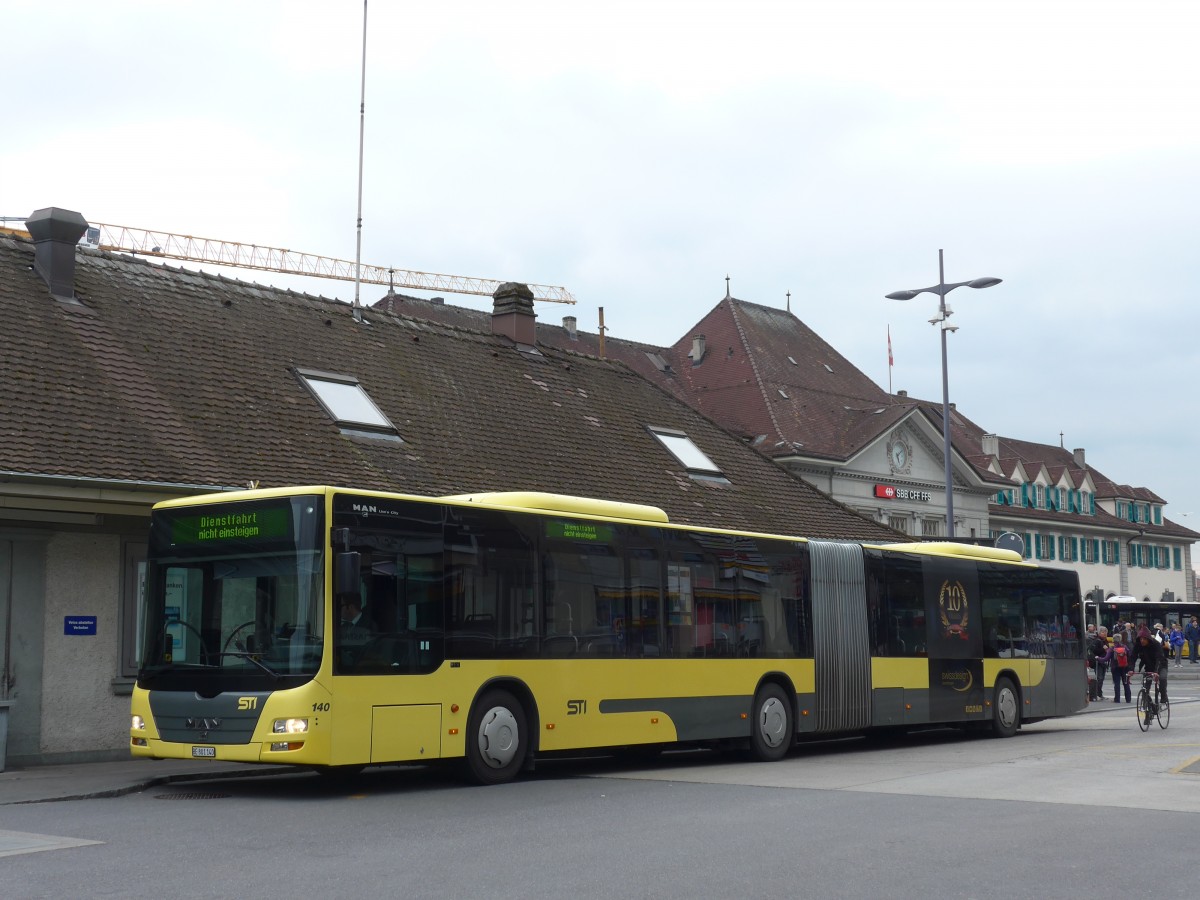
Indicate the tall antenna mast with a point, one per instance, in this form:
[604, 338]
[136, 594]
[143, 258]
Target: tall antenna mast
[362, 124]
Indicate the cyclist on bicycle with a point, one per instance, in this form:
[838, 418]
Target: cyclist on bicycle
[1149, 656]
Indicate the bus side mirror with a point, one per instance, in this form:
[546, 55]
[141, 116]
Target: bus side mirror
[345, 573]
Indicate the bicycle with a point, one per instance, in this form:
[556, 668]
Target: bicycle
[1148, 706]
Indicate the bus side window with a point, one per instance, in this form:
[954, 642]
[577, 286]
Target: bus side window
[1001, 615]
[903, 607]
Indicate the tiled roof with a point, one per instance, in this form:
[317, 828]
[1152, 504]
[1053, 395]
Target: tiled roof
[765, 373]
[172, 376]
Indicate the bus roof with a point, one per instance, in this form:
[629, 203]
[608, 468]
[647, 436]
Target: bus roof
[953, 548]
[591, 508]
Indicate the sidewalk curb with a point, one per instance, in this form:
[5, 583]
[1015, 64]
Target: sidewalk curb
[159, 781]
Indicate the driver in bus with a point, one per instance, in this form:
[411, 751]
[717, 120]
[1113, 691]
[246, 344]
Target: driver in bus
[354, 624]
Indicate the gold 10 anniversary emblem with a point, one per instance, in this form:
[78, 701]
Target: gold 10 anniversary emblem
[952, 605]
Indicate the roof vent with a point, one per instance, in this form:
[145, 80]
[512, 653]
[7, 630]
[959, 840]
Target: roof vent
[55, 233]
[438, 301]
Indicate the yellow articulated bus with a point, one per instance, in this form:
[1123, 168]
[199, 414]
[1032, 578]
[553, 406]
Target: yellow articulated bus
[335, 629]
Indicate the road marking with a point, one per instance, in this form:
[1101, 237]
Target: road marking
[1191, 767]
[15, 842]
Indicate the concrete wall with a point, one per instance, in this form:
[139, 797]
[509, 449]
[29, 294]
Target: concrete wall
[22, 586]
[80, 712]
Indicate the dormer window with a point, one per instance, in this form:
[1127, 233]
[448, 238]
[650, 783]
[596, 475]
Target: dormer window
[347, 403]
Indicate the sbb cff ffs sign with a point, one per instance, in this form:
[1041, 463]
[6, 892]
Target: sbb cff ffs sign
[891, 492]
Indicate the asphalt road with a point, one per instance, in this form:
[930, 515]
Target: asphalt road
[1088, 806]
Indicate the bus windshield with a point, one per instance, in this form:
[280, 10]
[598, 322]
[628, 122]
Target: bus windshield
[234, 596]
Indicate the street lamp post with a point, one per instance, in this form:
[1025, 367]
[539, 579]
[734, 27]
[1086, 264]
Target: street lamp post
[944, 312]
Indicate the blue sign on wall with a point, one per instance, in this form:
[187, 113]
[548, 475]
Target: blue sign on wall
[79, 625]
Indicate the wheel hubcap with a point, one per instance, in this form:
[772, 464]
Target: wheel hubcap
[498, 737]
[772, 722]
[1006, 707]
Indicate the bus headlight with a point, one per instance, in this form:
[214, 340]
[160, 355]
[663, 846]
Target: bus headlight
[137, 723]
[290, 726]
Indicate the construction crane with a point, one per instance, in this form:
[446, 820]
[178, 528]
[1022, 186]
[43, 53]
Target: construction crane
[164, 244]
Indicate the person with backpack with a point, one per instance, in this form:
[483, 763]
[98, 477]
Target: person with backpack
[1119, 663]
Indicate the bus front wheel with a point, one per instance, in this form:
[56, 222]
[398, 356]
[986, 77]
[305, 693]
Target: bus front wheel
[771, 732]
[497, 740]
[1006, 709]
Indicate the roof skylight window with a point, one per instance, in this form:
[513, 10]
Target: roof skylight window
[685, 451]
[343, 398]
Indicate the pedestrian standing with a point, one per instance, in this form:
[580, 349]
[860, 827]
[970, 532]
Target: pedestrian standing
[1100, 651]
[1191, 634]
[1176, 641]
[1119, 663]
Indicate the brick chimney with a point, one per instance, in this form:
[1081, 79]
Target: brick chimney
[55, 233]
[512, 313]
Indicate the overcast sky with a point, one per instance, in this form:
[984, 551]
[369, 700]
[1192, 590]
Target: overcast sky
[637, 152]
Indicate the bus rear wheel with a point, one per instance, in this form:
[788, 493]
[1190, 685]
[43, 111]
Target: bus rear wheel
[497, 740]
[771, 731]
[1006, 709]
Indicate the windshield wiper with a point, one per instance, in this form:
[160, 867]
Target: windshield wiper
[254, 659]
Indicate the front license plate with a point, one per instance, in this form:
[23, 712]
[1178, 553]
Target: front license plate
[207, 752]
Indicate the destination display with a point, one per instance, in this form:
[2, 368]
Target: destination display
[250, 525]
[579, 531]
